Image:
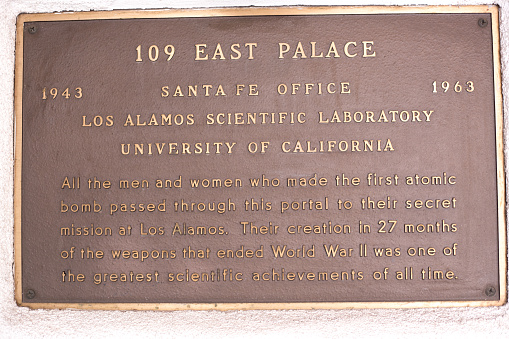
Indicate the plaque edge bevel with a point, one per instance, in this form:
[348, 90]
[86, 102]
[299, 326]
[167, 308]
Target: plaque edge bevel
[263, 306]
[18, 151]
[499, 122]
[254, 11]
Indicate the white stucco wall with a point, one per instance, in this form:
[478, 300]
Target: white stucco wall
[22, 322]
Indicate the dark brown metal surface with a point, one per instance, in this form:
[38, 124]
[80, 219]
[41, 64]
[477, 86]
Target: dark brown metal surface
[449, 135]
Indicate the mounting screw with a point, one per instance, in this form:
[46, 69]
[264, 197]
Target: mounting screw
[32, 29]
[482, 22]
[30, 294]
[490, 291]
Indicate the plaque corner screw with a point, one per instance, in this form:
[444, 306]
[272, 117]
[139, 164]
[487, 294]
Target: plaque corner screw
[30, 294]
[32, 29]
[482, 22]
[490, 291]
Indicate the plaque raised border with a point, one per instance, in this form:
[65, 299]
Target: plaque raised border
[242, 12]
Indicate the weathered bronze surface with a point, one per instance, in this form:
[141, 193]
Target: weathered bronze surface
[358, 159]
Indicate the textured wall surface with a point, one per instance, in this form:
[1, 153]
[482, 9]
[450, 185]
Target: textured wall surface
[22, 322]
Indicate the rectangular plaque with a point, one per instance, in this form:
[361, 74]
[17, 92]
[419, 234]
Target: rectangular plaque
[259, 158]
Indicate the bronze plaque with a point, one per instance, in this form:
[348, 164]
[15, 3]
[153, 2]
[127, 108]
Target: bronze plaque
[260, 158]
